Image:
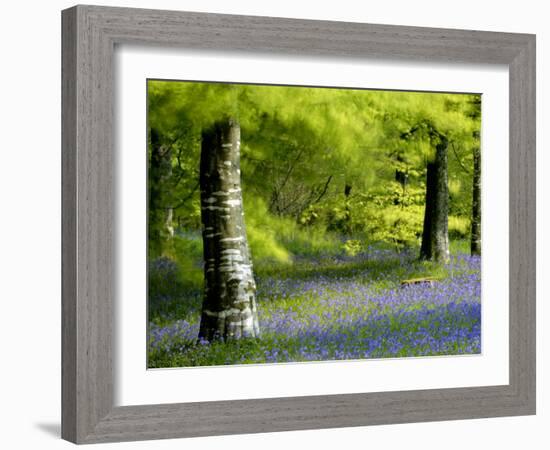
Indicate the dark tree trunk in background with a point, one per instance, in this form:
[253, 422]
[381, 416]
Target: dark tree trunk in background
[475, 244]
[402, 178]
[347, 218]
[435, 235]
[347, 190]
[160, 212]
[229, 303]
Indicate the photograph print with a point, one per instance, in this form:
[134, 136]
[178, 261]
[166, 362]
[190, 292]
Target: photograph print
[291, 224]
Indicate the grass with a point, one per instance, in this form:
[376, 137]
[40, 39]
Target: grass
[333, 307]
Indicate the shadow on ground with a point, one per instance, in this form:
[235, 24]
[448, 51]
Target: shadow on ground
[53, 429]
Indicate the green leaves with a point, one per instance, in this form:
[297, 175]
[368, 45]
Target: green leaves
[302, 146]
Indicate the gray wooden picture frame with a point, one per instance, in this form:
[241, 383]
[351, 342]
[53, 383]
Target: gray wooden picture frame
[90, 34]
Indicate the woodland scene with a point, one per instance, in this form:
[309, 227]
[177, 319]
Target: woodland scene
[296, 224]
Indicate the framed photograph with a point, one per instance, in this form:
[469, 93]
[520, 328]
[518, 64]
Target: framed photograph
[268, 222]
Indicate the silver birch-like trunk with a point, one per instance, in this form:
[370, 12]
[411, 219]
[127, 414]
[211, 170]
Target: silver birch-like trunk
[229, 303]
[435, 235]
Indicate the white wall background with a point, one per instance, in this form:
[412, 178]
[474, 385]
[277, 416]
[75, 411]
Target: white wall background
[30, 224]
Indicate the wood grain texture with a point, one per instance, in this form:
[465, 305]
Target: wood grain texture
[89, 36]
[68, 226]
[522, 224]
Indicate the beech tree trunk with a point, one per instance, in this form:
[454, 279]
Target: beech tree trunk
[475, 244]
[435, 235]
[160, 212]
[229, 303]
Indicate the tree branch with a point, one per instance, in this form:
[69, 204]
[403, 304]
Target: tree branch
[458, 159]
[324, 191]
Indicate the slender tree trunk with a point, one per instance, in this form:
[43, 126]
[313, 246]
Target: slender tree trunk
[160, 212]
[475, 244]
[347, 193]
[229, 303]
[435, 235]
[402, 177]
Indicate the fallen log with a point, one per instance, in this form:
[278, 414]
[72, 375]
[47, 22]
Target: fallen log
[426, 280]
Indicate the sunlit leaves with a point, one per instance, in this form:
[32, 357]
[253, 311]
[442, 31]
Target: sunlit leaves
[301, 146]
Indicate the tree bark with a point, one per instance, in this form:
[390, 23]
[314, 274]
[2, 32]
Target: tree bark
[160, 212]
[475, 244]
[435, 235]
[229, 303]
[347, 218]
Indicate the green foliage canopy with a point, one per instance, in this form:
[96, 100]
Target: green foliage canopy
[340, 166]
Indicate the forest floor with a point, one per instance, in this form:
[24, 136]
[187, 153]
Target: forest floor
[335, 308]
